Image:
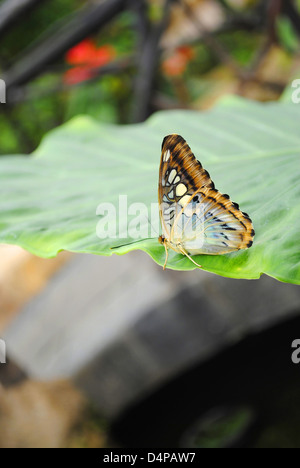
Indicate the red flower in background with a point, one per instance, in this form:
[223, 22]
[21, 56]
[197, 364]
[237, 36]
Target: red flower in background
[85, 58]
[177, 63]
[82, 53]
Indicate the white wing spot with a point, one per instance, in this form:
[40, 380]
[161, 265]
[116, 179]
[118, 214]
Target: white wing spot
[181, 189]
[167, 156]
[177, 179]
[171, 194]
[184, 200]
[172, 176]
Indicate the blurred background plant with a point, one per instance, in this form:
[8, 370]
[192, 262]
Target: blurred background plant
[120, 61]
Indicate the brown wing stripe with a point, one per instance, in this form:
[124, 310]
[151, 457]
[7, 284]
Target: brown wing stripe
[185, 160]
[233, 208]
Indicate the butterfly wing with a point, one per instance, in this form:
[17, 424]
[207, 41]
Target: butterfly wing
[195, 217]
[215, 226]
[180, 175]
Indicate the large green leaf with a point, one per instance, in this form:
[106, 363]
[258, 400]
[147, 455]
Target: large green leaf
[252, 151]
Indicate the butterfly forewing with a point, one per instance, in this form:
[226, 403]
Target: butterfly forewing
[195, 217]
[180, 176]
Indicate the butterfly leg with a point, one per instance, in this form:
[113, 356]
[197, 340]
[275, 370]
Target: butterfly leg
[188, 256]
[167, 254]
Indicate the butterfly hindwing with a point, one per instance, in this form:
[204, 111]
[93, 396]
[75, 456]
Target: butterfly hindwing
[196, 218]
[219, 227]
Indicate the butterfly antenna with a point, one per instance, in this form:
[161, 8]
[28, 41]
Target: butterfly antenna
[131, 243]
[147, 218]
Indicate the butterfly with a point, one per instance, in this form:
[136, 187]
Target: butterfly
[195, 217]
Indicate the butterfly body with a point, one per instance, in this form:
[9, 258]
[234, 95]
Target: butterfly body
[196, 218]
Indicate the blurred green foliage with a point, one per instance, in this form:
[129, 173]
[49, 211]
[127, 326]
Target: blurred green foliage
[287, 34]
[48, 101]
[219, 431]
[33, 25]
[242, 45]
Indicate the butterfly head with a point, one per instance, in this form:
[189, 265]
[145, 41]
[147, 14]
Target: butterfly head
[161, 240]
